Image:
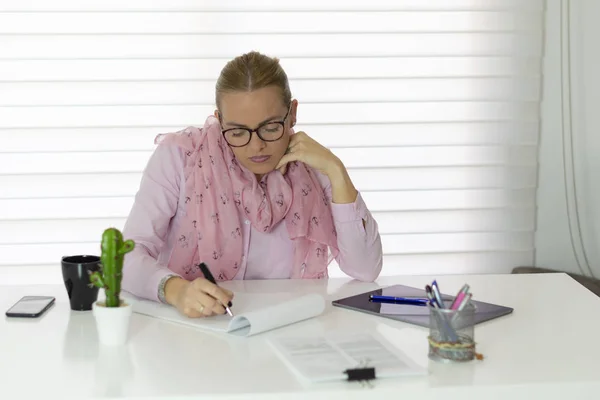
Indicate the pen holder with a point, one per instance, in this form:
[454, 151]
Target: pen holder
[452, 334]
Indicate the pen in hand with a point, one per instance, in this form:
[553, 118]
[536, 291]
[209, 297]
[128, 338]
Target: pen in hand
[209, 276]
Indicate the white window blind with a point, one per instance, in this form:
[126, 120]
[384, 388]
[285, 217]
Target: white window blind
[433, 106]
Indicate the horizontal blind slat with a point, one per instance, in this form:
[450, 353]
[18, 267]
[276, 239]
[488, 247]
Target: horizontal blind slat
[406, 264]
[414, 156]
[296, 68]
[373, 179]
[392, 244]
[316, 91]
[243, 5]
[272, 22]
[312, 113]
[435, 156]
[313, 45]
[389, 179]
[118, 207]
[340, 136]
[449, 263]
[393, 222]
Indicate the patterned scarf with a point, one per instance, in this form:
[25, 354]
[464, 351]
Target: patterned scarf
[217, 186]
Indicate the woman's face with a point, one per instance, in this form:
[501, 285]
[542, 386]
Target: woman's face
[251, 110]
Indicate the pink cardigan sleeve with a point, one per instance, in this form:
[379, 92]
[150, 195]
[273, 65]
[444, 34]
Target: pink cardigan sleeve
[361, 252]
[149, 222]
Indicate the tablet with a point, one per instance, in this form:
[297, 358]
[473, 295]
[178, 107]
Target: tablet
[417, 315]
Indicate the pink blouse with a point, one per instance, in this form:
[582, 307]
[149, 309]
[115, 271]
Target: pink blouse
[157, 211]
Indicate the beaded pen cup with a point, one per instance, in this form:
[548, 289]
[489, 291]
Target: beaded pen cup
[452, 334]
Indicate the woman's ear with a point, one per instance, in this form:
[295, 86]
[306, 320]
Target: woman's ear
[217, 114]
[293, 111]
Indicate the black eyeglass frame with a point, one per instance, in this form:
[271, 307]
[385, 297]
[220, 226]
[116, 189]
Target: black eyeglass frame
[251, 131]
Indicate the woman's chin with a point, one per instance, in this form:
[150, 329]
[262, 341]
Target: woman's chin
[262, 169]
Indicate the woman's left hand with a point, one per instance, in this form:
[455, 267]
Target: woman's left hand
[307, 150]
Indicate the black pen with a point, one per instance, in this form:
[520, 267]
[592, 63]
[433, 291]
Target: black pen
[211, 278]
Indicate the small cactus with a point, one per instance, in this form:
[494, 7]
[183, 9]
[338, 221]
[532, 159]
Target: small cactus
[109, 278]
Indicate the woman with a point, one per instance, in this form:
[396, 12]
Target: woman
[246, 195]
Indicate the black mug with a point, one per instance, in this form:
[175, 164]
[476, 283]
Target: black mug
[76, 272]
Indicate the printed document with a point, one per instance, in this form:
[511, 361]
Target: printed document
[325, 358]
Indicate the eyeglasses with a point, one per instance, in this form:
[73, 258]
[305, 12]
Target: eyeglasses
[268, 132]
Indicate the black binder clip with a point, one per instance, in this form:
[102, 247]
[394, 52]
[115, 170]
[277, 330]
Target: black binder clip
[362, 374]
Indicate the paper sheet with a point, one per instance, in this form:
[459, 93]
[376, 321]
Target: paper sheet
[253, 312]
[325, 358]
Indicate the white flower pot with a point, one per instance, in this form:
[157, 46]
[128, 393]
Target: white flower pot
[112, 323]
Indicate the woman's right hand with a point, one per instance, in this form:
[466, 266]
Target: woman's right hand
[198, 298]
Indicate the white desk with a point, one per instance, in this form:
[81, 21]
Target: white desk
[546, 349]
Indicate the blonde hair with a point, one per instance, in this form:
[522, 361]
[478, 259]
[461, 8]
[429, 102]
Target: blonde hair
[252, 71]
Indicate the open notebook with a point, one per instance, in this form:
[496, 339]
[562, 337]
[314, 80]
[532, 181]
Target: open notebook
[253, 312]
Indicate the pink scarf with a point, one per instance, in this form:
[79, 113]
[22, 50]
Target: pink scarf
[217, 186]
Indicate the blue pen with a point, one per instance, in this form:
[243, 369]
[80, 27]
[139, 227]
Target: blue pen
[399, 300]
[445, 328]
[437, 294]
[430, 296]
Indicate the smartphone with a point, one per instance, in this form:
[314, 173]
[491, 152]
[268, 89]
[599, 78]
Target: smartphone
[31, 306]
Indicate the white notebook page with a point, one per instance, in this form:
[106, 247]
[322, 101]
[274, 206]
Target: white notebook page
[253, 312]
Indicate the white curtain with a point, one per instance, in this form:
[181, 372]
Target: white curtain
[433, 106]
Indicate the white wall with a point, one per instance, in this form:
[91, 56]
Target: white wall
[553, 241]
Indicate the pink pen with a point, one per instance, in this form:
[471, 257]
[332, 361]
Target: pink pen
[466, 301]
[462, 305]
[459, 297]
